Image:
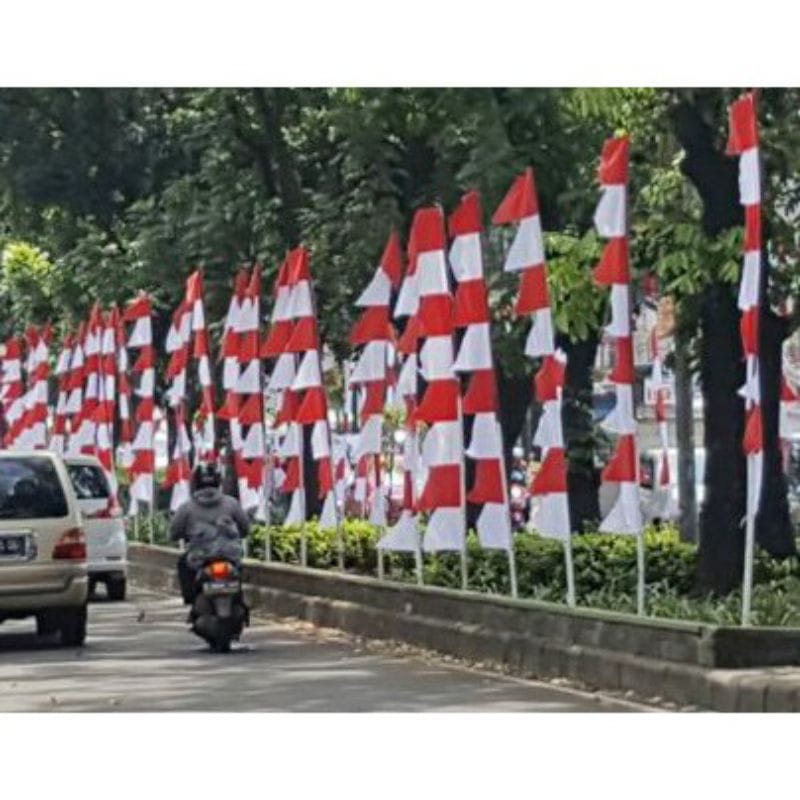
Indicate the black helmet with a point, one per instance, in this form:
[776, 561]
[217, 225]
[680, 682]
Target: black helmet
[206, 476]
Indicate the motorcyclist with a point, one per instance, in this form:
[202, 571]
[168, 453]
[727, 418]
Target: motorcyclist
[206, 509]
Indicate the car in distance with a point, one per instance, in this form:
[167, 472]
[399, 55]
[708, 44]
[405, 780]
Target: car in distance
[43, 570]
[106, 543]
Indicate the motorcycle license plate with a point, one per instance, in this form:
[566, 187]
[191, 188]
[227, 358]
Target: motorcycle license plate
[220, 587]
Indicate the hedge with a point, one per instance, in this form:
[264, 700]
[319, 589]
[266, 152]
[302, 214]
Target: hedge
[605, 569]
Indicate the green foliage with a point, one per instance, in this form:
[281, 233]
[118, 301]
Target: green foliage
[26, 288]
[605, 571]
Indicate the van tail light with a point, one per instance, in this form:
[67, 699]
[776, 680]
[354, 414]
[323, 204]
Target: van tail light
[219, 570]
[112, 511]
[71, 546]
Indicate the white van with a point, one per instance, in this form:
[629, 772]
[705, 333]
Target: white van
[43, 570]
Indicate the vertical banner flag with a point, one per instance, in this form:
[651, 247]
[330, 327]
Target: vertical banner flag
[443, 491]
[404, 535]
[77, 367]
[279, 388]
[471, 314]
[125, 438]
[526, 257]
[743, 142]
[142, 469]
[203, 426]
[374, 334]
[663, 500]
[58, 439]
[611, 222]
[177, 346]
[251, 460]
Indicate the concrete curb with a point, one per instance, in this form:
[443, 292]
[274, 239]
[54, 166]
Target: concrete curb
[675, 661]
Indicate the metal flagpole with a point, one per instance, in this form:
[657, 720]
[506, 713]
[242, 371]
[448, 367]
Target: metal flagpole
[302, 488]
[267, 484]
[749, 546]
[570, 571]
[381, 528]
[640, 573]
[462, 473]
[512, 559]
[418, 562]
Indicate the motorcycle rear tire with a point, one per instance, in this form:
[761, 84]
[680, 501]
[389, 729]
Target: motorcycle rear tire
[221, 643]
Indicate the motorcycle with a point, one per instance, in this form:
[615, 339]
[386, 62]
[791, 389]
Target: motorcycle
[218, 610]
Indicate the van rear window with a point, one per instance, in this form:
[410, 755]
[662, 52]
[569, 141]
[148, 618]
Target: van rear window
[88, 482]
[30, 489]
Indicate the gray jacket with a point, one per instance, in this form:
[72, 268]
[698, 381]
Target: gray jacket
[207, 509]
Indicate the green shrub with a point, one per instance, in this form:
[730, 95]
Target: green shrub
[605, 569]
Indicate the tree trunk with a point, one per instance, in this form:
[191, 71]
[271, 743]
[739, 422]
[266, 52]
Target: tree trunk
[715, 177]
[773, 524]
[720, 555]
[583, 480]
[684, 434]
[515, 394]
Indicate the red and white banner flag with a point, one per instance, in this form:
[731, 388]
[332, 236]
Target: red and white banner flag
[297, 378]
[404, 535]
[178, 346]
[611, 222]
[442, 464]
[251, 454]
[374, 334]
[58, 438]
[471, 314]
[664, 506]
[743, 141]
[203, 426]
[142, 469]
[526, 257]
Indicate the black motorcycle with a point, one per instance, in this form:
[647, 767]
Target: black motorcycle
[218, 610]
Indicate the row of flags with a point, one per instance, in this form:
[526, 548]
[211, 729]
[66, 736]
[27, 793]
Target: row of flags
[422, 342]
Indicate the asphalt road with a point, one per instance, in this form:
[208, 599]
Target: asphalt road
[140, 656]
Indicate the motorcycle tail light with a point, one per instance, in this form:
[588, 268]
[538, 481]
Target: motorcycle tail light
[219, 570]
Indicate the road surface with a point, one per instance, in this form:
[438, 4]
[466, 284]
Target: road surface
[140, 656]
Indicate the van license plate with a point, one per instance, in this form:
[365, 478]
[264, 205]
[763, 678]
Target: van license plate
[14, 548]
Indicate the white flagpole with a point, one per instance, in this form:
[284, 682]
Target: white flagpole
[463, 476]
[570, 568]
[749, 546]
[302, 487]
[418, 562]
[267, 485]
[640, 574]
[512, 559]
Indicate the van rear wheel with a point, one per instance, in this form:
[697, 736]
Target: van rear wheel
[73, 627]
[116, 588]
[46, 624]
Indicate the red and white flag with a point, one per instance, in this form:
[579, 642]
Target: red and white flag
[373, 333]
[526, 257]
[251, 454]
[664, 502]
[611, 222]
[58, 438]
[471, 313]
[743, 142]
[442, 463]
[203, 428]
[177, 346]
[142, 469]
